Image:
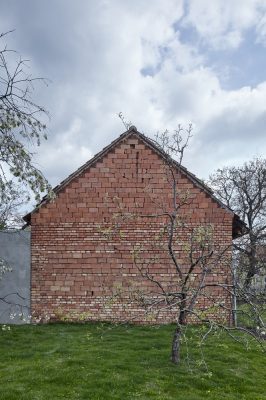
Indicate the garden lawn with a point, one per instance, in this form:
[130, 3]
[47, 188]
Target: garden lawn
[101, 361]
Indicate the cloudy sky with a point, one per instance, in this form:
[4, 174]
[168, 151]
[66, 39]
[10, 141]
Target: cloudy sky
[160, 62]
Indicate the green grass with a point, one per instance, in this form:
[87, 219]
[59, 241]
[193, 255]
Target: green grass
[246, 316]
[98, 362]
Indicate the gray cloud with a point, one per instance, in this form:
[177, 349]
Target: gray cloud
[94, 54]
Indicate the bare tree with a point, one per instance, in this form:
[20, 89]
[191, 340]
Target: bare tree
[243, 189]
[196, 269]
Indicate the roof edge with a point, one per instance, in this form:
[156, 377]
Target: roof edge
[154, 146]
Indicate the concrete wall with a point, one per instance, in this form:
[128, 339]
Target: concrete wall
[15, 284]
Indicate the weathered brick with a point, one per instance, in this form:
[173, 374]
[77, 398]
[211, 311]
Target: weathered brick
[78, 256]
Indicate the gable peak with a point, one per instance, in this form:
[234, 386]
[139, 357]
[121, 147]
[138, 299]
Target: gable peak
[132, 128]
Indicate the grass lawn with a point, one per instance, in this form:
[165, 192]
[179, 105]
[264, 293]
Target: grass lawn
[246, 316]
[96, 361]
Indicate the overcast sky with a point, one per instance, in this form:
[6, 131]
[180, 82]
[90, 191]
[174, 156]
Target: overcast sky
[160, 62]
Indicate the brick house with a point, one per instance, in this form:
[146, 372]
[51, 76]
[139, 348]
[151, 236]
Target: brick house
[80, 263]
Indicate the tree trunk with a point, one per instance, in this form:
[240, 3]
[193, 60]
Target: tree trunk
[251, 267]
[249, 277]
[175, 355]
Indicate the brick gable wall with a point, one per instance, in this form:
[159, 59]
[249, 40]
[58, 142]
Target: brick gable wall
[82, 266]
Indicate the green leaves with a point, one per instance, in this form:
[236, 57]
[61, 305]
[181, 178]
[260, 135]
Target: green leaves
[21, 125]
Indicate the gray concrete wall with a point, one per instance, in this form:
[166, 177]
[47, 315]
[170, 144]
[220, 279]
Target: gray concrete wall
[15, 284]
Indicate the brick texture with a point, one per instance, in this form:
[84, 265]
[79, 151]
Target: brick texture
[82, 262]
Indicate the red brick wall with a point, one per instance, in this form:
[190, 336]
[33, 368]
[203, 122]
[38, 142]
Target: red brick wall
[82, 264]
